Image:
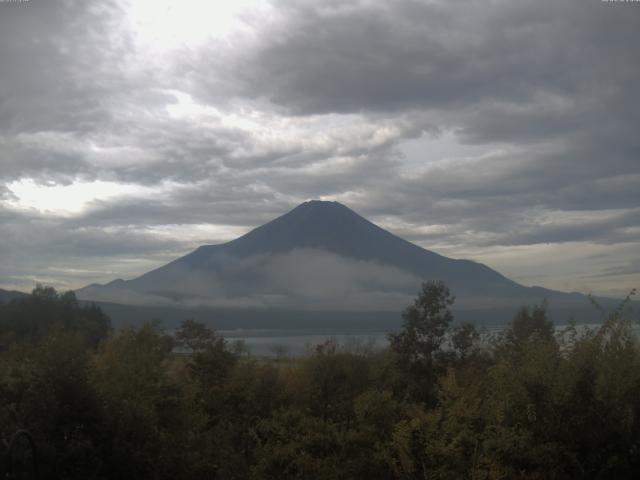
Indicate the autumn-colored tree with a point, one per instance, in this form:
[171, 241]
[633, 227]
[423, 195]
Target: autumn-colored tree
[535, 403]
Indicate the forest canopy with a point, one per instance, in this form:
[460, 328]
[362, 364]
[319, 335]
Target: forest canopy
[442, 401]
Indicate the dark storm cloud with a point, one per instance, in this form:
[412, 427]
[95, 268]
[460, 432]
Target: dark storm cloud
[60, 66]
[22, 157]
[58, 63]
[614, 229]
[526, 73]
[510, 181]
[319, 57]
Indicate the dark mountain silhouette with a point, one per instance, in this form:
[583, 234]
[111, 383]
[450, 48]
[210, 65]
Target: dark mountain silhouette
[319, 256]
[8, 295]
[335, 228]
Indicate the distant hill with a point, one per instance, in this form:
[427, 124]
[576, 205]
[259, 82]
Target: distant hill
[8, 295]
[322, 257]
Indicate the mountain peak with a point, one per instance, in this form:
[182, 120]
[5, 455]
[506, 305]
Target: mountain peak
[321, 205]
[325, 203]
[312, 224]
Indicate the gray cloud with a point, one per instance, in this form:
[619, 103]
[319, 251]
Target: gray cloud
[317, 100]
[372, 56]
[59, 62]
[631, 268]
[612, 229]
[303, 278]
[35, 248]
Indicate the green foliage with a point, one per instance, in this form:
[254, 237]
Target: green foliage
[532, 404]
[529, 322]
[295, 445]
[194, 336]
[418, 346]
[32, 319]
[211, 366]
[327, 382]
[130, 377]
[53, 396]
[425, 323]
[464, 340]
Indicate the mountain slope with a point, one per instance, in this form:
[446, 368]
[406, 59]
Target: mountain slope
[8, 295]
[335, 228]
[318, 256]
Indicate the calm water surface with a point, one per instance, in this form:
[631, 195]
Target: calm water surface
[273, 343]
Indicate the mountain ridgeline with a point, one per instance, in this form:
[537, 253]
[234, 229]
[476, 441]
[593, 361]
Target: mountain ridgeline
[8, 295]
[323, 257]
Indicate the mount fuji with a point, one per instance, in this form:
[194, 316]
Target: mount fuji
[320, 256]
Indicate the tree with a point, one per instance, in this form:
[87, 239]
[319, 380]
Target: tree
[130, 376]
[418, 345]
[328, 381]
[530, 322]
[211, 366]
[280, 350]
[32, 318]
[195, 336]
[464, 339]
[60, 408]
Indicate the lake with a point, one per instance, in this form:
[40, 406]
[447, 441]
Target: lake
[272, 343]
[290, 343]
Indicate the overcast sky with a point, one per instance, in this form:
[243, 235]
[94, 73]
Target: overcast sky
[507, 132]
